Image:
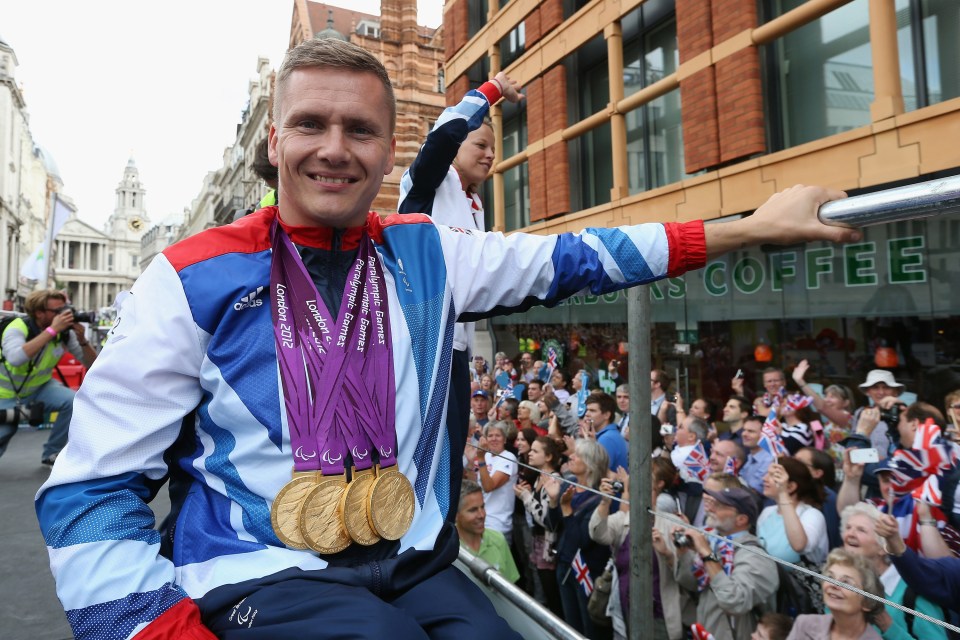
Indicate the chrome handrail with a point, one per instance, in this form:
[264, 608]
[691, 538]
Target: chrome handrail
[920, 200]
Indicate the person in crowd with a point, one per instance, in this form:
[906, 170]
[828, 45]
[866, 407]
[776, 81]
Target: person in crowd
[938, 579]
[560, 384]
[528, 416]
[579, 390]
[773, 626]
[599, 415]
[883, 390]
[623, 409]
[562, 421]
[951, 430]
[506, 410]
[735, 412]
[613, 528]
[480, 407]
[507, 375]
[703, 409]
[722, 453]
[691, 433]
[758, 458]
[478, 370]
[496, 472]
[824, 472]
[488, 384]
[730, 581]
[926, 534]
[535, 390]
[794, 529]
[488, 544]
[30, 349]
[333, 143]
[545, 456]
[569, 516]
[609, 379]
[527, 371]
[834, 405]
[851, 614]
[659, 384]
[774, 391]
[796, 426]
[860, 538]
[525, 440]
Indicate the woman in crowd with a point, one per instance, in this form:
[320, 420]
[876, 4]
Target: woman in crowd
[614, 529]
[797, 430]
[794, 528]
[529, 416]
[860, 538]
[569, 516]
[851, 614]
[525, 440]
[488, 384]
[836, 406]
[824, 472]
[496, 473]
[951, 430]
[545, 455]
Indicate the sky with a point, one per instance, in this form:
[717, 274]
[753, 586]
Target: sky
[163, 82]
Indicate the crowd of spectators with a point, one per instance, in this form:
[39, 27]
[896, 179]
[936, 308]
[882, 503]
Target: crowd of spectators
[867, 495]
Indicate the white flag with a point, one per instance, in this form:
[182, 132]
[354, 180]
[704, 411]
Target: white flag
[61, 212]
[35, 267]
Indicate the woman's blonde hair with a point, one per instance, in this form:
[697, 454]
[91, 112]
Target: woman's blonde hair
[869, 581]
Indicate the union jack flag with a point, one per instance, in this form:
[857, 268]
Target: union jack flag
[582, 573]
[731, 466]
[772, 400]
[507, 393]
[931, 455]
[697, 462]
[929, 492]
[699, 633]
[724, 549]
[770, 440]
[552, 357]
[798, 401]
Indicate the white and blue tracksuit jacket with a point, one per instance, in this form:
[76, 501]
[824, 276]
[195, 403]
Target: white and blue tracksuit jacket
[195, 339]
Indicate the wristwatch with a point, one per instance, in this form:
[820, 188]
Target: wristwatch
[713, 557]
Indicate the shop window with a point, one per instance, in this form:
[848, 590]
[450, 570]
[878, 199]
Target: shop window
[928, 33]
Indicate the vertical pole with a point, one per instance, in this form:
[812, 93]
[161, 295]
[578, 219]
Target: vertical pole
[48, 249]
[641, 551]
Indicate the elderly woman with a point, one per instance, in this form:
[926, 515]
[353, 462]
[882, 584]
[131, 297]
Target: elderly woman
[851, 614]
[529, 416]
[860, 537]
[496, 473]
[569, 515]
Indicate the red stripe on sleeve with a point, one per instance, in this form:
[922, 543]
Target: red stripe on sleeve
[182, 620]
[688, 246]
[490, 91]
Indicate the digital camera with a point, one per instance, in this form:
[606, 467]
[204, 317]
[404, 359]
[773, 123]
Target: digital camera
[33, 414]
[80, 316]
[680, 540]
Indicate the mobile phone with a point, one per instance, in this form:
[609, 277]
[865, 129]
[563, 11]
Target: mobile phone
[739, 373]
[863, 456]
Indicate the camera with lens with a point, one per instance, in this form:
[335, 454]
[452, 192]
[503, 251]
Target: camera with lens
[80, 316]
[33, 414]
[681, 539]
[617, 486]
[892, 415]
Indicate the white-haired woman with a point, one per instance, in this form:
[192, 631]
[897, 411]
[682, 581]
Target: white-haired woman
[858, 526]
[496, 473]
[851, 614]
[528, 414]
[569, 515]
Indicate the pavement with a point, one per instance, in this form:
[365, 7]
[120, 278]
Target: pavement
[29, 608]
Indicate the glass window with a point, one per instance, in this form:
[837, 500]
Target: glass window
[515, 191]
[512, 46]
[476, 16]
[825, 74]
[941, 48]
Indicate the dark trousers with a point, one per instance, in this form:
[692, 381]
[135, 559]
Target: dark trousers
[446, 605]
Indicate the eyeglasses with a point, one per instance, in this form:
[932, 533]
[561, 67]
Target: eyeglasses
[56, 311]
[955, 405]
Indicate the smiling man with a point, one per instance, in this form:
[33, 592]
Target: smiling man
[314, 476]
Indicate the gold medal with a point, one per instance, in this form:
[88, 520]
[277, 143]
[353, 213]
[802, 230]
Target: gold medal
[354, 506]
[391, 504]
[285, 511]
[320, 520]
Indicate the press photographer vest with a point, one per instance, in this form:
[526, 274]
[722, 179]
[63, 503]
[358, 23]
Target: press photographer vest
[34, 373]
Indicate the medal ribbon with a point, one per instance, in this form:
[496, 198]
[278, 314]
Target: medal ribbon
[337, 381]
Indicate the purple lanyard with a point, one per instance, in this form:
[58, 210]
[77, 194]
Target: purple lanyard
[337, 380]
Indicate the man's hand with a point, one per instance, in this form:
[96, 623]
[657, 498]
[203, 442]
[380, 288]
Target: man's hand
[851, 470]
[699, 543]
[509, 89]
[788, 217]
[868, 421]
[62, 321]
[737, 384]
[587, 429]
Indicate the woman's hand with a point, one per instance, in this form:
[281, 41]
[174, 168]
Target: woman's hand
[509, 89]
[659, 544]
[888, 528]
[566, 502]
[778, 474]
[868, 421]
[799, 372]
[521, 488]
[851, 470]
[551, 484]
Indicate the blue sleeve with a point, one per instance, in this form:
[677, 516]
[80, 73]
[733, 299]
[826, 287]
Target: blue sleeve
[937, 580]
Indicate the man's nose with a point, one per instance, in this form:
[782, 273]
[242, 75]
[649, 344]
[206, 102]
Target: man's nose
[332, 146]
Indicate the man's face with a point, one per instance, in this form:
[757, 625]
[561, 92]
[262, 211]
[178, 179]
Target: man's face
[907, 429]
[507, 365]
[722, 449]
[879, 391]
[480, 406]
[732, 411]
[478, 364]
[595, 416]
[557, 380]
[685, 437]
[332, 145]
[720, 516]
[623, 401]
[655, 390]
[750, 434]
[773, 381]
[472, 514]
[46, 315]
[526, 361]
[534, 392]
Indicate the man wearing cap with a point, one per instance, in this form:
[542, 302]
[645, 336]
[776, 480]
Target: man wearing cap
[480, 407]
[883, 389]
[731, 581]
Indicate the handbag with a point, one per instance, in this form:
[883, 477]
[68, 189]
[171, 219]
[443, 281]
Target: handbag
[597, 604]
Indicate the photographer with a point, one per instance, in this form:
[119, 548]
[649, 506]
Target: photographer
[30, 350]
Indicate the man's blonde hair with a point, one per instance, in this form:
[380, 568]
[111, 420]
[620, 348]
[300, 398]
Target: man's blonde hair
[37, 300]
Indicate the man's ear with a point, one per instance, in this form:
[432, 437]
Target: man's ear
[272, 146]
